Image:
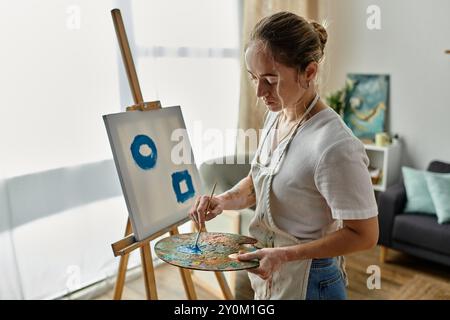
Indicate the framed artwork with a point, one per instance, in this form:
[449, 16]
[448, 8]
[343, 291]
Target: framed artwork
[366, 104]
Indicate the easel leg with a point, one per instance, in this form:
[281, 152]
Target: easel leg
[224, 286]
[149, 273]
[186, 277]
[120, 282]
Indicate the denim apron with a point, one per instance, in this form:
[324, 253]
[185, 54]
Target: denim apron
[290, 281]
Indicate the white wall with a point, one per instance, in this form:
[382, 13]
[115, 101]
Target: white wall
[410, 47]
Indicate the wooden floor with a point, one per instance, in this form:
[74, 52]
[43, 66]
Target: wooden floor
[168, 284]
[402, 277]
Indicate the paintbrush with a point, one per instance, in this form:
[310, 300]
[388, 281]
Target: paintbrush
[200, 227]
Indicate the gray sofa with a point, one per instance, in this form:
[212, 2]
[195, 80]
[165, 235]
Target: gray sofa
[413, 233]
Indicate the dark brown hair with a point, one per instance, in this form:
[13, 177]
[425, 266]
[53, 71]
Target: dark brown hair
[292, 40]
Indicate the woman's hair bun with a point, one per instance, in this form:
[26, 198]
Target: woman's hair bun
[320, 30]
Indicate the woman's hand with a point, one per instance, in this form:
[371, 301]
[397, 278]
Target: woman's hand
[270, 260]
[199, 212]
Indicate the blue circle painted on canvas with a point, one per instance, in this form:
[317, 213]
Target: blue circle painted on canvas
[145, 162]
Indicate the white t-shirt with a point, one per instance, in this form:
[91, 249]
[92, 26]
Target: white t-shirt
[322, 179]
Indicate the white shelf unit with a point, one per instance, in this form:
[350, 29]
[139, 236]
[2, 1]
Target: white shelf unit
[388, 159]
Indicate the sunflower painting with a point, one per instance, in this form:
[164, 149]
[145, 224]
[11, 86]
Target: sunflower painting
[366, 103]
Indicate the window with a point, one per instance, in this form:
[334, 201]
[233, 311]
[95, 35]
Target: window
[59, 76]
[187, 54]
[61, 71]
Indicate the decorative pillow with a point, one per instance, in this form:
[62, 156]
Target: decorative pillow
[439, 188]
[417, 194]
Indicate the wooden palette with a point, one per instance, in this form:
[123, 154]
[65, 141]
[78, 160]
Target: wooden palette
[215, 251]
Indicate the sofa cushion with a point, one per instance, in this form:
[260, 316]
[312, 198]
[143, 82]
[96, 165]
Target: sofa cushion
[417, 193]
[439, 187]
[422, 231]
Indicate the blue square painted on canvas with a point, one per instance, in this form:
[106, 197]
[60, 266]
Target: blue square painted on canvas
[366, 104]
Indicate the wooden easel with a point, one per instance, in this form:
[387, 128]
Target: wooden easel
[125, 246]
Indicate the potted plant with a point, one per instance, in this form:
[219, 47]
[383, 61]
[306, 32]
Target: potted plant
[336, 99]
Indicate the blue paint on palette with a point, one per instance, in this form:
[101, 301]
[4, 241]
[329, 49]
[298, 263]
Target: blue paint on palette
[177, 179]
[145, 162]
[190, 249]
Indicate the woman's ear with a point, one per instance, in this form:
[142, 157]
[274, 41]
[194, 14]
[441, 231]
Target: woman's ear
[311, 71]
[304, 78]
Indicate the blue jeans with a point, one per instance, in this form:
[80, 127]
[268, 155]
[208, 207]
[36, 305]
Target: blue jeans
[325, 281]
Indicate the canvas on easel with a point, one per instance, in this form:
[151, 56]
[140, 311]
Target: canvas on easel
[139, 133]
[158, 180]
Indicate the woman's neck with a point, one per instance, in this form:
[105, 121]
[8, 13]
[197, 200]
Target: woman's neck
[295, 113]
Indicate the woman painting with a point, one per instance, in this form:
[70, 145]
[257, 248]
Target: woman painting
[309, 178]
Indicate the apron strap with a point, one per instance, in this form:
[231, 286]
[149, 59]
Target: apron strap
[308, 110]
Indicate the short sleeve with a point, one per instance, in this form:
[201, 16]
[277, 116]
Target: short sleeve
[342, 177]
